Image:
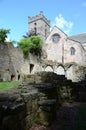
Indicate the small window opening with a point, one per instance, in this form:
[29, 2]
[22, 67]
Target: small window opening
[31, 67]
[72, 51]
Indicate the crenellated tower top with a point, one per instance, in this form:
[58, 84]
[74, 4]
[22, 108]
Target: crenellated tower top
[40, 25]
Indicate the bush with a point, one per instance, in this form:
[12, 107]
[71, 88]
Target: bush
[33, 45]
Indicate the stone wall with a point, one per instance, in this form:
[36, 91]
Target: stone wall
[34, 63]
[71, 70]
[80, 54]
[54, 50]
[34, 102]
[61, 50]
[84, 45]
[41, 24]
[12, 63]
[75, 72]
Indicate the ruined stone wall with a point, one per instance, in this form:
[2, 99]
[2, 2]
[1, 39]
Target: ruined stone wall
[19, 62]
[34, 63]
[75, 72]
[12, 64]
[5, 63]
[34, 102]
[71, 70]
[84, 45]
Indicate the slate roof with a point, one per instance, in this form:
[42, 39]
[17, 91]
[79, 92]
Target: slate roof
[80, 38]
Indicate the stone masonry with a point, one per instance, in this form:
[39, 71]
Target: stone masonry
[34, 102]
[61, 54]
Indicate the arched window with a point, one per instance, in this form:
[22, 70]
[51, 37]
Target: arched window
[35, 28]
[72, 51]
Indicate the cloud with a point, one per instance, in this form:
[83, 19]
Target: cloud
[63, 24]
[84, 4]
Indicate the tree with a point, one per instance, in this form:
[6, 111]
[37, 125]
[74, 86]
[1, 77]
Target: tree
[33, 45]
[3, 35]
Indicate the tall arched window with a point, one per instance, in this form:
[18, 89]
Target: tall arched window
[72, 51]
[35, 28]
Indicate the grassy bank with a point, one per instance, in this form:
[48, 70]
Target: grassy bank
[8, 85]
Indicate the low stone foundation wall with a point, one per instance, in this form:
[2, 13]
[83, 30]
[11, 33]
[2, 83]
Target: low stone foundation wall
[18, 109]
[34, 102]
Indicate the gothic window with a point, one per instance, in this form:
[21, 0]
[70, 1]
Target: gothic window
[72, 51]
[55, 38]
[35, 28]
[45, 32]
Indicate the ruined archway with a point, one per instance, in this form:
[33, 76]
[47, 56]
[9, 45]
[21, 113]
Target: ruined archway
[60, 70]
[12, 77]
[49, 69]
[70, 72]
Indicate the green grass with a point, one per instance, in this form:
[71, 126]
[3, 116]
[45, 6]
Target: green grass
[8, 85]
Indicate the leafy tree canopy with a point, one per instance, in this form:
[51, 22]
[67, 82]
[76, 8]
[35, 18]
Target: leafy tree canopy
[3, 35]
[33, 44]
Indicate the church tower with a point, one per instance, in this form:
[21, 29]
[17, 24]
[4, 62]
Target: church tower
[39, 25]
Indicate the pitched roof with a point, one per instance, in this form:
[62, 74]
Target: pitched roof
[79, 38]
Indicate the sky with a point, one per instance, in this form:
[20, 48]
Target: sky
[68, 15]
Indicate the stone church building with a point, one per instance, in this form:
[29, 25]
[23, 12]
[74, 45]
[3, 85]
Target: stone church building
[61, 54]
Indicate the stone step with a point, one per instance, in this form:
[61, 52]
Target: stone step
[48, 102]
[44, 86]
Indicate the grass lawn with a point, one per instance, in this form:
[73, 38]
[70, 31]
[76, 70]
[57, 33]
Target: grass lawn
[8, 85]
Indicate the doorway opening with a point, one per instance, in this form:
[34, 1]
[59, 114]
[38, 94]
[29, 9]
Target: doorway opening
[31, 67]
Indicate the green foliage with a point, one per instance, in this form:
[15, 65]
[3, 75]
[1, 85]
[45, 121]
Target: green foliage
[23, 44]
[33, 44]
[3, 35]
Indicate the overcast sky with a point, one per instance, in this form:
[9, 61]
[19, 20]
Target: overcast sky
[68, 15]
